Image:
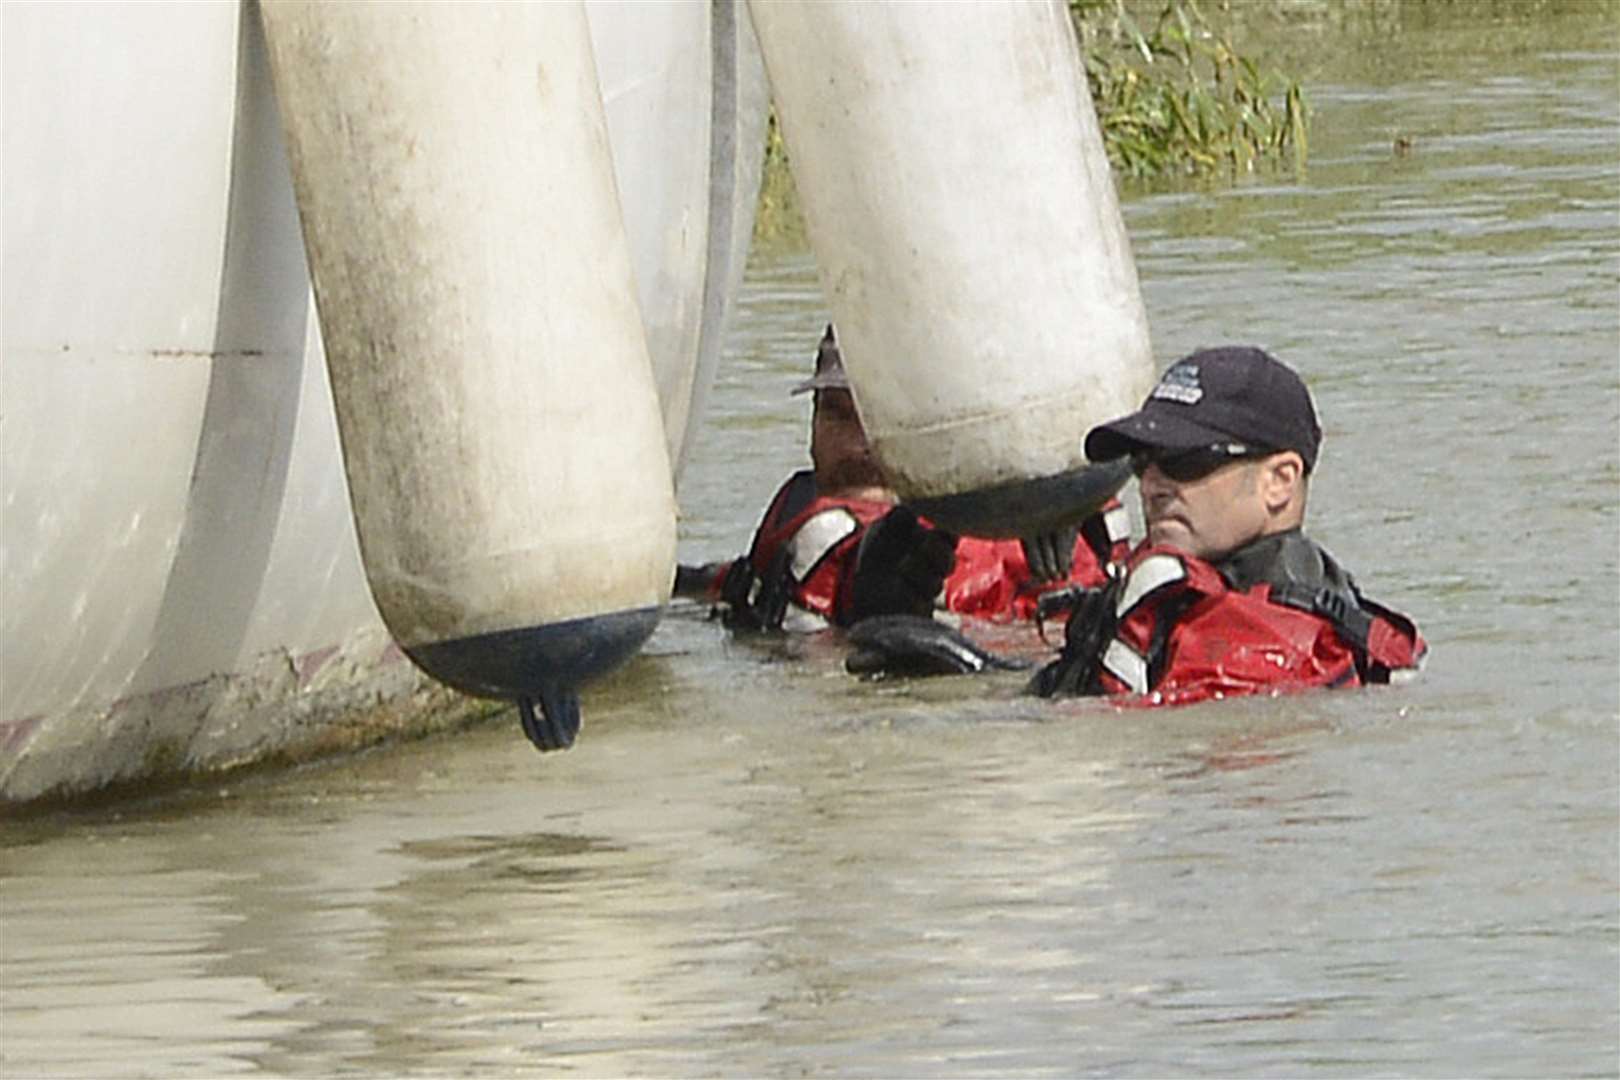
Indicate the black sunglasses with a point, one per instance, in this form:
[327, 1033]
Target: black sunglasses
[1185, 466]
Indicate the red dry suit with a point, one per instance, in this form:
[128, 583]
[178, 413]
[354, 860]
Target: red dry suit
[798, 571]
[1277, 615]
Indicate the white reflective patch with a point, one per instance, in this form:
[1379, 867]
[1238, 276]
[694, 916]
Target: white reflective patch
[816, 537]
[1180, 384]
[1118, 523]
[798, 620]
[1179, 392]
[1153, 572]
[1126, 665]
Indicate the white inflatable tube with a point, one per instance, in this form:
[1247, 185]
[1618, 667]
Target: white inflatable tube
[654, 65]
[970, 244]
[740, 105]
[684, 92]
[501, 433]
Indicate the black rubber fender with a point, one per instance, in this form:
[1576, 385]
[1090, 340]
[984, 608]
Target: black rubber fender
[918, 645]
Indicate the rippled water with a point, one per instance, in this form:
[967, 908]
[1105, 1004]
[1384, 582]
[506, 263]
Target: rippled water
[754, 865]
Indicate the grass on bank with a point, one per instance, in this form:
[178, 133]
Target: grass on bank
[1174, 98]
[1178, 98]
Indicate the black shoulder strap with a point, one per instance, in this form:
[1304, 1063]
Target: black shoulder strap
[1340, 608]
[1170, 614]
[1334, 596]
[798, 493]
[1302, 575]
[756, 596]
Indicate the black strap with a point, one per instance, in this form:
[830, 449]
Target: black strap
[1303, 576]
[1077, 670]
[1339, 608]
[798, 493]
[757, 601]
[757, 597]
[1352, 617]
[1165, 619]
[1095, 531]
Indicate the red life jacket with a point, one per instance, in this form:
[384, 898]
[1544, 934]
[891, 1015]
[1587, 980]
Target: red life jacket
[806, 543]
[991, 580]
[1279, 615]
[804, 551]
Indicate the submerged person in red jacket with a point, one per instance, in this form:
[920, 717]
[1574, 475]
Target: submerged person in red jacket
[800, 571]
[1227, 596]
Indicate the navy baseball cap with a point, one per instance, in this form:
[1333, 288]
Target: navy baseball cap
[1235, 393]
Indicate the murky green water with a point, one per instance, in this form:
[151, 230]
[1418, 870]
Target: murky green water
[753, 865]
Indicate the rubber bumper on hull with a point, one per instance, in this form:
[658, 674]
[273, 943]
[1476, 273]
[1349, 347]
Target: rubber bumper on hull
[541, 667]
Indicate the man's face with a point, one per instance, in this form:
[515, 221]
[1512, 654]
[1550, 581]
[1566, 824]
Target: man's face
[838, 447]
[1207, 516]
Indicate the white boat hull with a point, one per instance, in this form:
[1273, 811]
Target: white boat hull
[182, 582]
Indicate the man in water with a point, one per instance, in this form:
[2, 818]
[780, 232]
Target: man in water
[834, 546]
[1226, 596]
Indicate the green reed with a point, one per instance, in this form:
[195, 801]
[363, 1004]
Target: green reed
[1176, 100]
[1179, 99]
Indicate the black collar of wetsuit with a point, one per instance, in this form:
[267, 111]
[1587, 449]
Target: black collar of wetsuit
[1283, 559]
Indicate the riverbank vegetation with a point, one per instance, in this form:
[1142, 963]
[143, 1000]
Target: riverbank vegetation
[1174, 97]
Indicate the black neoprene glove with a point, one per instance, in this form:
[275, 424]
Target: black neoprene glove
[755, 601]
[1051, 555]
[1078, 668]
[900, 567]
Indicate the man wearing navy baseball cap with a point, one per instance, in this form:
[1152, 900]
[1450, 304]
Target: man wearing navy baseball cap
[1222, 446]
[1226, 596]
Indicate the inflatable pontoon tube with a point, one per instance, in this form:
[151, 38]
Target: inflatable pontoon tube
[501, 433]
[683, 87]
[970, 244]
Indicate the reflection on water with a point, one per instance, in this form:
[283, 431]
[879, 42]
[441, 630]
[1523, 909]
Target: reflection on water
[754, 865]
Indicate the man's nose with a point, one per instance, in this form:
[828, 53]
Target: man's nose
[1153, 483]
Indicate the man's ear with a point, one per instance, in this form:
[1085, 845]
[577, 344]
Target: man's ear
[1282, 479]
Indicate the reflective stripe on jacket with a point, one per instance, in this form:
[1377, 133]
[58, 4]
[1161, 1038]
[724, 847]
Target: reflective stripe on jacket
[806, 545]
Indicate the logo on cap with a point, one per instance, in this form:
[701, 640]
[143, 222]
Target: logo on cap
[1180, 384]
